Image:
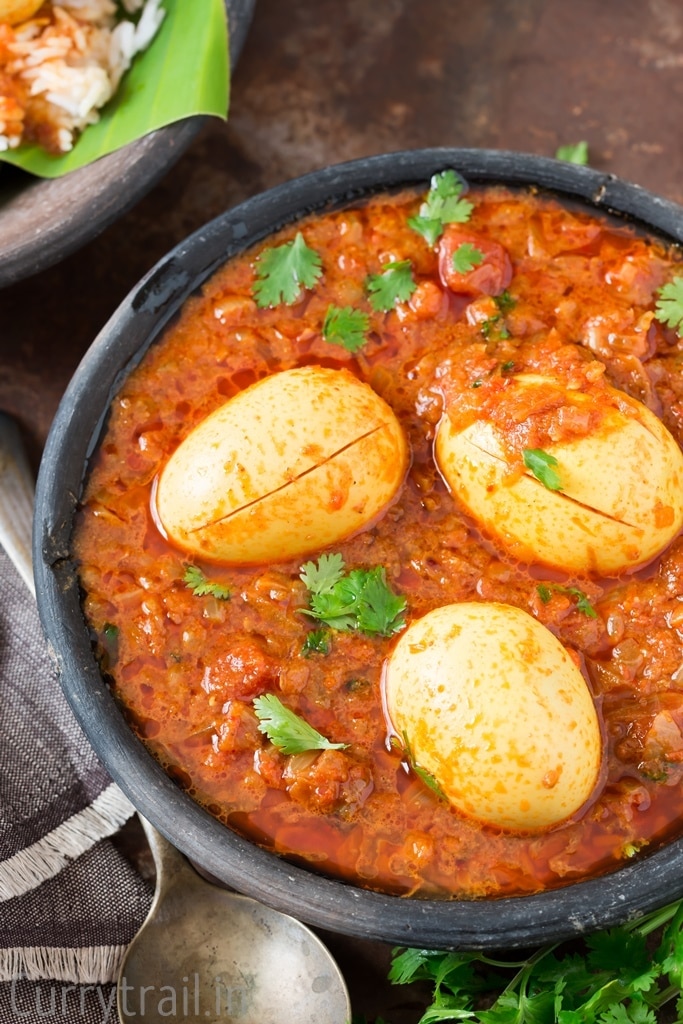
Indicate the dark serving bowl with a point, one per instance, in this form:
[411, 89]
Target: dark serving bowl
[638, 887]
[43, 220]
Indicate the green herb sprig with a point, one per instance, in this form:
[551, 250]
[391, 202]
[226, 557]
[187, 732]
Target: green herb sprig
[631, 974]
[494, 327]
[583, 604]
[286, 730]
[505, 301]
[429, 780]
[346, 326]
[669, 305]
[394, 284]
[317, 642]
[200, 586]
[284, 270]
[543, 466]
[466, 257]
[360, 600]
[576, 153]
[443, 205]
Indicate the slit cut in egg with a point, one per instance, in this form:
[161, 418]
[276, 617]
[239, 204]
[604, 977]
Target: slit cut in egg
[294, 463]
[620, 499]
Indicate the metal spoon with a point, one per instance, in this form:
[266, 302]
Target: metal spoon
[203, 953]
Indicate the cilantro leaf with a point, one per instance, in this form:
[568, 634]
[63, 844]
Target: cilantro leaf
[394, 284]
[618, 976]
[430, 228]
[636, 1013]
[322, 578]
[316, 642]
[425, 776]
[286, 730]
[494, 327]
[573, 154]
[442, 206]
[380, 611]
[200, 586]
[360, 599]
[583, 604]
[466, 257]
[620, 953]
[542, 465]
[110, 644]
[346, 326]
[670, 951]
[669, 305]
[282, 272]
[505, 301]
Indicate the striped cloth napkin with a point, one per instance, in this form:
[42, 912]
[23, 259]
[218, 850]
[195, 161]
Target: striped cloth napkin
[70, 902]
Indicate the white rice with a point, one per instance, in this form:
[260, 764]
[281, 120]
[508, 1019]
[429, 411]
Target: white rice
[69, 65]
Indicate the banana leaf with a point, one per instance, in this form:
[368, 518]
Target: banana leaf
[184, 71]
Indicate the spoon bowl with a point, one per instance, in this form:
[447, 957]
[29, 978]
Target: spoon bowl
[207, 954]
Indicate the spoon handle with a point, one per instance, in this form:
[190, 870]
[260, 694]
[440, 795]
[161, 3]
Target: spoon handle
[16, 500]
[170, 863]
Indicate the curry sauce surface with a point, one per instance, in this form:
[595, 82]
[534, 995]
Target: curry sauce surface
[579, 304]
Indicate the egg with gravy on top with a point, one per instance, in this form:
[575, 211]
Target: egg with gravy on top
[297, 461]
[488, 701]
[608, 500]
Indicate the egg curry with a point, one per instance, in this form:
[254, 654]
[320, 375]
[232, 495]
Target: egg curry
[381, 545]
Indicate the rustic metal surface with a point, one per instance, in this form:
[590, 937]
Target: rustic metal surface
[319, 82]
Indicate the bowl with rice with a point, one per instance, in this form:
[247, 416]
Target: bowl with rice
[60, 64]
[63, 63]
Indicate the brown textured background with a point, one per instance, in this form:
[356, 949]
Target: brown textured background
[321, 81]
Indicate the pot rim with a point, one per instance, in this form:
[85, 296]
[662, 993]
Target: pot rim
[516, 921]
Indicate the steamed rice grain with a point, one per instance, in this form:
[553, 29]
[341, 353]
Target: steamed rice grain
[59, 68]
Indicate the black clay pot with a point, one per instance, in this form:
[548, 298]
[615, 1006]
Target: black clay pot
[638, 887]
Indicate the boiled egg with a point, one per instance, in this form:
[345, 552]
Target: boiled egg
[620, 500]
[489, 702]
[297, 461]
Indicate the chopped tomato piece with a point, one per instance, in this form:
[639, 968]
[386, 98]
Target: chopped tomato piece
[490, 276]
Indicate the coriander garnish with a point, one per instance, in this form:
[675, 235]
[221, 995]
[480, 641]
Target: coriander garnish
[466, 257]
[286, 730]
[394, 284]
[316, 642]
[542, 465]
[200, 586]
[423, 775]
[669, 306]
[628, 974]
[505, 301]
[573, 154]
[583, 604]
[346, 326]
[360, 599]
[284, 270]
[494, 327]
[442, 206]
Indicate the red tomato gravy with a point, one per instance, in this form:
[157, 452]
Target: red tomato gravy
[580, 295]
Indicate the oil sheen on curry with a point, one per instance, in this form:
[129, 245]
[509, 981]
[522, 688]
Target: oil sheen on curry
[382, 545]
